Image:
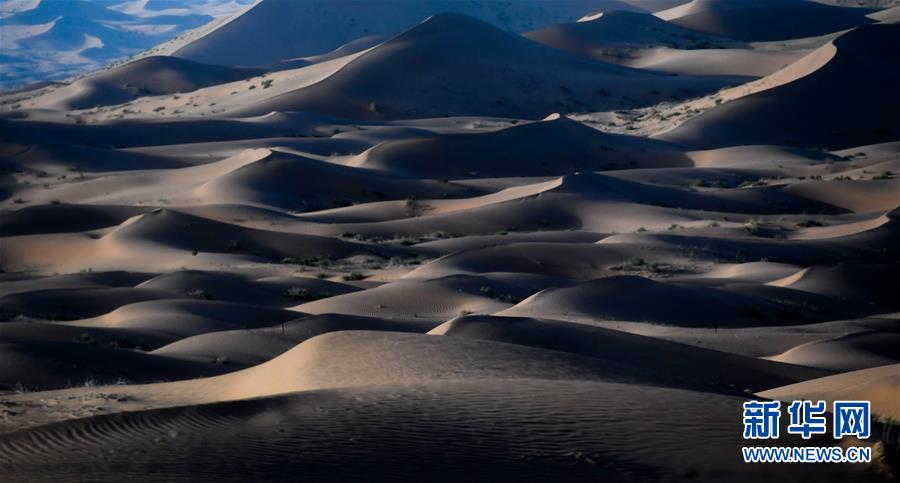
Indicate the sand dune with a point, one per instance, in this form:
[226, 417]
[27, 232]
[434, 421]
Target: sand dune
[863, 53]
[762, 342]
[395, 240]
[625, 298]
[447, 48]
[643, 40]
[49, 365]
[570, 202]
[13, 284]
[149, 76]
[239, 349]
[432, 422]
[733, 62]
[184, 237]
[160, 131]
[764, 20]
[415, 358]
[429, 301]
[759, 157]
[327, 27]
[878, 385]
[622, 30]
[63, 218]
[73, 161]
[243, 289]
[682, 363]
[270, 181]
[520, 150]
[846, 353]
[860, 282]
[73, 303]
[183, 318]
[871, 197]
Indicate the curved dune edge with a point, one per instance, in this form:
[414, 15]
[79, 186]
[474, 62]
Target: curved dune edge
[345, 359]
[805, 66]
[846, 229]
[880, 385]
[429, 422]
[845, 353]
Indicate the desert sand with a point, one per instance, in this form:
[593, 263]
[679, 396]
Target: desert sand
[439, 241]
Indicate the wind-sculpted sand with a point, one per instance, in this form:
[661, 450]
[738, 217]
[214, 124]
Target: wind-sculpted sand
[567, 247]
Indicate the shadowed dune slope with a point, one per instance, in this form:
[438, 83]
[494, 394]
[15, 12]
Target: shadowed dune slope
[846, 353]
[53, 365]
[821, 109]
[880, 385]
[188, 232]
[273, 24]
[612, 36]
[869, 284]
[148, 76]
[297, 182]
[407, 433]
[522, 150]
[243, 289]
[67, 303]
[34, 220]
[680, 362]
[426, 71]
[764, 19]
[240, 349]
[628, 298]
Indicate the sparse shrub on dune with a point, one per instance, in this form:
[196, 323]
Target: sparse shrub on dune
[303, 294]
[199, 294]
[811, 223]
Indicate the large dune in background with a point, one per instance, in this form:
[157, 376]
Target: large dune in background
[820, 109]
[149, 76]
[764, 19]
[326, 27]
[447, 65]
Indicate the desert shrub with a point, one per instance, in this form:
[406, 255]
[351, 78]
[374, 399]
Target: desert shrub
[342, 203]
[811, 223]
[303, 294]
[199, 294]
[353, 277]
[306, 261]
